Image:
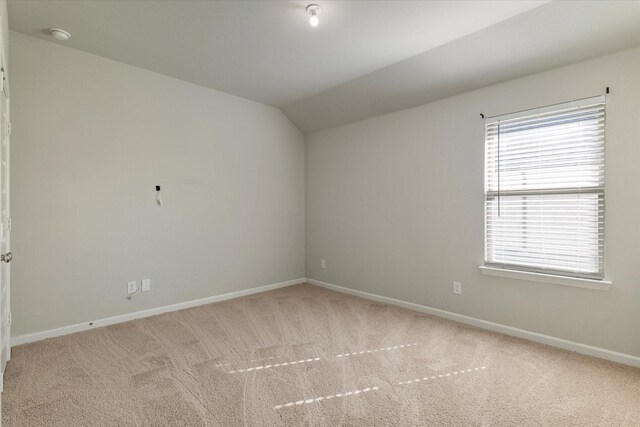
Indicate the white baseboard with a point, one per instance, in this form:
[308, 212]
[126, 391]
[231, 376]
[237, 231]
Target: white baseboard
[601, 353]
[37, 336]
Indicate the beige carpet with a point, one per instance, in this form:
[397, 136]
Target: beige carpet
[304, 355]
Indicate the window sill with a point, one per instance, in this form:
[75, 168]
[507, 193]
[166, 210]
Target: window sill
[599, 285]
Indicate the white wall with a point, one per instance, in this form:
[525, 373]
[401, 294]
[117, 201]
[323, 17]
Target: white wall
[395, 206]
[91, 138]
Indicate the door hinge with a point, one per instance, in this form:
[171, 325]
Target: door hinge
[8, 128]
[9, 224]
[9, 320]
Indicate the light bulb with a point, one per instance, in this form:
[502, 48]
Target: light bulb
[314, 10]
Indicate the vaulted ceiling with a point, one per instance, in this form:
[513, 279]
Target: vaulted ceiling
[365, 58]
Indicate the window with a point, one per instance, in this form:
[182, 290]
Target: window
[544, 190]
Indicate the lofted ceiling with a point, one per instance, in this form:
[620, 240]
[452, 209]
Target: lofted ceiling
[556, 34]
[365, 58]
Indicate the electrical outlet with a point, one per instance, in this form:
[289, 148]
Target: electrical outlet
[323, 264]
[146, 285]
[457, 288]
[132, 287]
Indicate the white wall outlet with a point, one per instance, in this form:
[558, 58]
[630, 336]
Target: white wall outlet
[132, 287]
[146, 285]
[457, 288]
[323, 264]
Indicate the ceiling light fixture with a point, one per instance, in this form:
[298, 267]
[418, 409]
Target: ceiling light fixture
[59, 34]
[314, 10]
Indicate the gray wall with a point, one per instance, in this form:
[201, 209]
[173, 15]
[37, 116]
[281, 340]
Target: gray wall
[394, 203]
[395, 206]
[91, 138]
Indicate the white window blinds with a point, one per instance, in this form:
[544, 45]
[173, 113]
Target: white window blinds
[544, 190]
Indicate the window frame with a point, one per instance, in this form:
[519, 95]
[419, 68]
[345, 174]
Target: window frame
[542, 273]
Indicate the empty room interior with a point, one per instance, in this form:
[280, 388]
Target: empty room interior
[319, 213]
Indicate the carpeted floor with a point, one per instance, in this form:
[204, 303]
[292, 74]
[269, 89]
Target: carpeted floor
[304, 355]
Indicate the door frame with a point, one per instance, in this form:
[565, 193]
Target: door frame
[5, 269]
